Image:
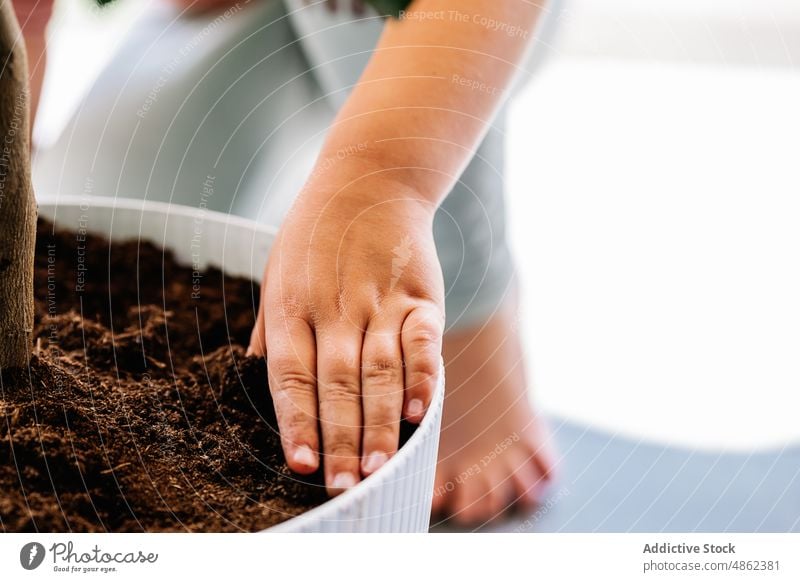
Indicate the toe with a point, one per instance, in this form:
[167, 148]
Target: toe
[468, 502]
[439, 492]
[541, 448]
[528, 477]
[525, 476]
[500, 493]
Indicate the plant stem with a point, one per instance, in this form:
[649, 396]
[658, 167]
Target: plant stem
[17, 202]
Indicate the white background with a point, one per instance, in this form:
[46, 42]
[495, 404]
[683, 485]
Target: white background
[655, 204]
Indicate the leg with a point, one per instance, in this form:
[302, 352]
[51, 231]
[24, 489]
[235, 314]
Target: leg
[493, 452]
[490, 434]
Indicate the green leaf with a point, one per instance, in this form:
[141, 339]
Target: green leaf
[391, 8]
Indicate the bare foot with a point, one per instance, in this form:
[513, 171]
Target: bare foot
[494, 452]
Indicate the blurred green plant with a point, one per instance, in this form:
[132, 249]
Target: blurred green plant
[384, 7]
[389, 7]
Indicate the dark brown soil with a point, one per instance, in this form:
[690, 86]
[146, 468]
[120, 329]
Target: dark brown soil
[140, 410]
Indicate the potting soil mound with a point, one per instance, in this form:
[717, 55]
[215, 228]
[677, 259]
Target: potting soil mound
[140, 410]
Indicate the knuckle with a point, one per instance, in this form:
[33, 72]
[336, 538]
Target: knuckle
[296, 421]
[425, 368]
[425, 339]
[342, 389]
[421, 381]
[293, 384]
[381, 429]
[380, 410]
[340, 447]
[284, 366]
[285, 305]
[426, 336]
[382, 371]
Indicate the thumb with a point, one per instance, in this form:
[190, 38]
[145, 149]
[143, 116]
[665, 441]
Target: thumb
[258, 337]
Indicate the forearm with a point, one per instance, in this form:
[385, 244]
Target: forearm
[428, 95]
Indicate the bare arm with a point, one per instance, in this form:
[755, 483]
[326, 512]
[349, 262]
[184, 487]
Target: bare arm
[352, 312]
[431, 89]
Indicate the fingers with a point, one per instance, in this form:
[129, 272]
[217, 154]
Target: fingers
[339, 364]
[291, 369]
[382, 393]
[327, 385]
[422, 354]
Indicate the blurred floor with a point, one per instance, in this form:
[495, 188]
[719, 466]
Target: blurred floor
[613, 484]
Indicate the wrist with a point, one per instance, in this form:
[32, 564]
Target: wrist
[354, 182]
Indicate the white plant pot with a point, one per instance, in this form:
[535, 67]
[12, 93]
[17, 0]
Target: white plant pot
[397, 498]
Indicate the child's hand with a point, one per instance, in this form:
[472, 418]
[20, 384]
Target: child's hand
[352, 311]
[351, 320]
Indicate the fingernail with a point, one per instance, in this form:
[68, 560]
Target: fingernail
[373, 462]
[415, 408]
[343, 481]
[303, 455]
